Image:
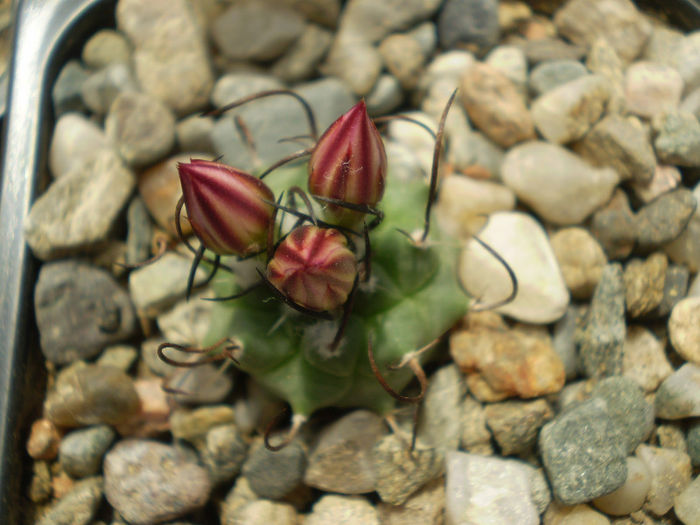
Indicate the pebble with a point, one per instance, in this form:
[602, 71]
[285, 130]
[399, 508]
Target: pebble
[694, 443]
[515, 424]
[400, 472]
[139, 231]
[158, 285]
[81, 451]
[553, 73]
[644, 284]
[385, 97]
[664, 179]
[153, 418]
[78, 507]
[604, 60]
[465, 201]
[677, 139]
[614, 225]
[665, 218]
[475, 437]
[678, 397]
[102, 87]
[670, 435]
[403, 58]
[482, 490]
[539, 490]
[264, 511]
[687, 504]
[89, 395]
[43, 440]
[687, 61]
[203, 384]
[272, 475]
[632, 416]
[686, 248]
[236, 500]
[566, 113]
[670, 475]
[542, 294]
[121, 357]
[558, 514]
[601, 339]
[170, 58]
[437, 424]
[223, 452]
[79, 310]
[502, 363]
[511, 61]
[495, 106]
[644, 359]
[546, 49]
[187, 322]
[65, 94]
[256, 30]
[420, 143]
[40, 485]
[426, 506]
[77, 212]
[105, 47]
[563, 339]
[663, 44]
[342, 510]
[623, 144]
[355, 62]
[684, 329]
[75, 142]
[341, 458]
[426, 36]
[141, 127]
[473, 23]
[652, 89]
[691, 103]
[558, 185]
[618, 21]
[193, 425]
[302, 58]
[149, 482]
[581, 260]
[193, 133]
[580, 455]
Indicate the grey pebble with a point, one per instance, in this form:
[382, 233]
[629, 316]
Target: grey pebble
[223, 452]
[205, 384]
[78, 507]
[139, 230]
[91, 394]
[564, 339]
[149, 482]
[102, 87]
[675, 288]
[631, 415]
[438, 425]
[678, 397]
[66, 91]
[194, 134]
[80, 452]
[678, 138]
[580, 454]
[385, 97]
[553, 73]
[401, 471]
[614, 225]
[515, 424]
[142, 128]
[665, 218]
[468, 22]
[601, 340]
[694, 443]
[79, 310]
[301, 60]
[404, 58]
[273, 475]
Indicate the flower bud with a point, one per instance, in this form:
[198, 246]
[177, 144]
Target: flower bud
[314, 268]
[349, 164]
[226, 207]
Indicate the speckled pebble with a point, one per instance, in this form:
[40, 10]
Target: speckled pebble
[665, 218]
[684, 329]
[81, 451]
[581, 260]
[644, 284]
[515, 424]
[614, 225]
[677, 138]
[687, 503]
[644, 359]
[272, 475]
[342, 510]
[475, 437]
[223, 452]
[78, 507]
[191, 425]
[553, 73]
[678, 397]
[426, 506]
[670, 474]
[437, 425]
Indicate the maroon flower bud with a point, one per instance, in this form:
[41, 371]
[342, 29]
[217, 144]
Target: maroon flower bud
[349, 163]
[314, 268]
[226, 207]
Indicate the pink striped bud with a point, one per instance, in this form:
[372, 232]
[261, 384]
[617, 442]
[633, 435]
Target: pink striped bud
[314, 268]
[226, 207]
[349, 164]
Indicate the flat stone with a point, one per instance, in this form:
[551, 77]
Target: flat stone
[664, 180]
[342, 510]
[89, 395]
[78, 210]
[644, 284]
[482, 490]
[102, 87]
[468, 22]
[664, 219]
[265, 511]
[622, 144]
[614, 225]
[644, 359]
[581, 260]
[580, 454]
[652, 89]
[301, 60]
[553, 73]
[81, 451]
[670, 475]
[193, 425]
[684, 329]
[515, 424]
[77, 507]
[75, 142]
[542, 295]
[274, 474]
[678, 138]
[600, 342]
[559, 186]
[678, 397]
[495, 106]
[437, 425]
[142, 128]
[79, 310]
[686, 248]
[149, 482]
[567, 112]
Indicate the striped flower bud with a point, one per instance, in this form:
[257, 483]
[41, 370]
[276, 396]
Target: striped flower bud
[226, 207]
[349, 164]
[314, 268]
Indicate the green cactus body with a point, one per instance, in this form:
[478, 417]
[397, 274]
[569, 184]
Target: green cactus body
[411, 299]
